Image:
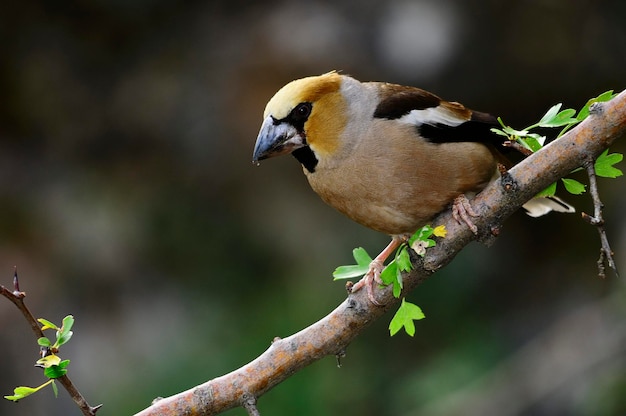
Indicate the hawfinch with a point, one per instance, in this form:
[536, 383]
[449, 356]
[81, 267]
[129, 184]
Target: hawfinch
[387, 156]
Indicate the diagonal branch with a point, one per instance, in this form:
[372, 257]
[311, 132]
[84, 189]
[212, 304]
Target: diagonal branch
[331, 334]
[17, 297]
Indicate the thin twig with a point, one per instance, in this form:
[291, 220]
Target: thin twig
[514, 144]
[17, 297]
[606, 254]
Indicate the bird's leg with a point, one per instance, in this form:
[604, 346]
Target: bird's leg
[462, 211]
[372, 277]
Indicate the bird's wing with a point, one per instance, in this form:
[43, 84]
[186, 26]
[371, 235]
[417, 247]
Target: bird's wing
[437, 120]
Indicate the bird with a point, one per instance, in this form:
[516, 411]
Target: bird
[388, 156]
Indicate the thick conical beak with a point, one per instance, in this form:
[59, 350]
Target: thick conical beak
[276, 138]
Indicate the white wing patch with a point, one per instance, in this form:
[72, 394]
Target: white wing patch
[432, 116]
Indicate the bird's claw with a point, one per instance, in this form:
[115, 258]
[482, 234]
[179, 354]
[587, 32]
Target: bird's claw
[462, 211]
[370, 281]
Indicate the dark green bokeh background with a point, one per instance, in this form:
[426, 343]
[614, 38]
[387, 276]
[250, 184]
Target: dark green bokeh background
[127, 198]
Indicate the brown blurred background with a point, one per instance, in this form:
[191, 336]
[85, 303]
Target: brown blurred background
[128, 199]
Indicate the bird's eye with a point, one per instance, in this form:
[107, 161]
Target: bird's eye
[302, 111]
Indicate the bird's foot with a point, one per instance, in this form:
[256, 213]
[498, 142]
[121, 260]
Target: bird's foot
[372, 277]
[462, 211]
[371, 280]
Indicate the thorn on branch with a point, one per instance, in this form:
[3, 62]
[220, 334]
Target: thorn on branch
[94, 409]
[606, 254]
[16, 282]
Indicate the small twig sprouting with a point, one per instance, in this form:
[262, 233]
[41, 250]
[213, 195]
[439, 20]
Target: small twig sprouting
[514, 144]
[606, 254]
[249, 403]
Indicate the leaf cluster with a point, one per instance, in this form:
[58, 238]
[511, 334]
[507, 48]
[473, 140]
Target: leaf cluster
[565, 119]
[53, 366]
[392, 274]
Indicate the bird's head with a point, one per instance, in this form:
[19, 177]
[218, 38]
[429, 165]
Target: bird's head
[306, 118]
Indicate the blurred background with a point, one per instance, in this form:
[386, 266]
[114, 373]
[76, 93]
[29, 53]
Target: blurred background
[128, 199]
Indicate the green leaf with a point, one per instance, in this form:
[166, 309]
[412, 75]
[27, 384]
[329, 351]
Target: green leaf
[421, 234]
[47, 324]
[425, 232]
[57, 371]
[512, 133]
[54, 372]
[404, 260]
[499, 132]
[68, 323]
[550, 114]
[55, 389]
[604, 164]
[63, 338]
[404, 317]
[390, 273]
[361, 257]
[397, 284]
[48, 361]
[563, 118]
[549, 191]
[44, 342]
[533, 141]
[556, 118]
[23, 391]
[573, 186]
[348, 272]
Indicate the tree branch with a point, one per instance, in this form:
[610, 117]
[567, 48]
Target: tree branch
[331, 334]
[17, 297]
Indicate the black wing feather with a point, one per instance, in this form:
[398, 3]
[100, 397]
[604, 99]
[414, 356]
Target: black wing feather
[477, 129]
[398, 101]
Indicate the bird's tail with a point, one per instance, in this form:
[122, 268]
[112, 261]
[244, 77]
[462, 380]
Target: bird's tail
[539, 206]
